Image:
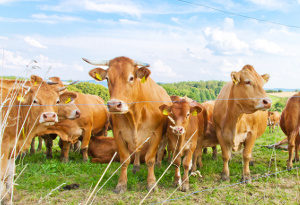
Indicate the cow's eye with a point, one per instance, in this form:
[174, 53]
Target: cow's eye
[247, 82]
[58, 101]
[131, 79]
[35, 101]
[188, 114]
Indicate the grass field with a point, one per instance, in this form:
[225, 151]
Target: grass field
[42, 175]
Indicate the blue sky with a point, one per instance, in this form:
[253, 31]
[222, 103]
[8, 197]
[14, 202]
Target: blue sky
[180, 41]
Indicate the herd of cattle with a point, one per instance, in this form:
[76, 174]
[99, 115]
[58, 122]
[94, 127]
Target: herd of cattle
[144, 119]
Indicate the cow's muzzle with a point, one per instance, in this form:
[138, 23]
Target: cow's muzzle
[264, 104]
[178, 130]
[48, 118]
[117, 106]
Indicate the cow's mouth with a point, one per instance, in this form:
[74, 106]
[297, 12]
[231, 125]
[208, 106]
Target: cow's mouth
[118, 112]
[48, 123]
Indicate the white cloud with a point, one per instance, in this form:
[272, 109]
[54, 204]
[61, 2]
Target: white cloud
[160, 69]
[127, 21]
[228, 23]
[174, 19]
[14, 60]
[6, 1]
[270, 4]
[3, 38]
[267, 46]
[112, 6]
[31, 41]
[225, 42]
[55, 18]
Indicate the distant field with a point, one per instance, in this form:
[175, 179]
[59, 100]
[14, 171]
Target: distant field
[43, 175]
[283, 94]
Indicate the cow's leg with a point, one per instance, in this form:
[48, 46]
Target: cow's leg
[10, 175]
[215, 152]
[125, 160]
[150, 159]
[76, 146]
[291, 148]
[85, 143]
[247, 152]
[64, 157]
[177, 177]
[226, 146]
[196, 156]
[49, 144]
[32, 147]
[40, 143]
[170, 153]
[161, 150]
[186, 166]
[204, 151]
[136, 163]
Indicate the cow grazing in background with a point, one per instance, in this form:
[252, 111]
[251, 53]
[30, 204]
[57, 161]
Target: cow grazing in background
[133, 123]
[243, 95]
[183, 131]
[273, 120]
[24, 115]
[290, 125]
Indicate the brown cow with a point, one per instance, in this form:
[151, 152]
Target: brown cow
[102, 149]
[93, 119]
[244, 94]
[133, 123]
[182, 133]
[273, 120]
[26, 111]
[290, 125]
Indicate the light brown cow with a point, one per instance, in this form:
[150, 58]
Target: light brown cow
[93, 119]
[102, 149]
[26, 111]
[133, 123]
[244, 94]
[273, 120]
[290, 125]
[182, 133]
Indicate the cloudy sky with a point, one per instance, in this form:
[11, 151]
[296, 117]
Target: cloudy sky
[180, 41]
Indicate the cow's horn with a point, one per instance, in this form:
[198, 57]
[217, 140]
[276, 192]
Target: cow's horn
[97, 63]
[138, 63]
[71, 83]
[62, 89]
[51, 83]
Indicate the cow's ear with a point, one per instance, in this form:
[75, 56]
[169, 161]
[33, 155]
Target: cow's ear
[98, 74]
[266, 77]
[24, 95]
[235, 77]
[143, 73]
[165, 109]
[55, 79]
[67, 97]
[36, 79]
[175, 98]
[195, 110]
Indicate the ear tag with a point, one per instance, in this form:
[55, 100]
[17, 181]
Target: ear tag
[235, 82]
[165, 112]
[98, 76]
[195, 113]
[68, 100]
[20, 99]
[143, 80]
[35, 83]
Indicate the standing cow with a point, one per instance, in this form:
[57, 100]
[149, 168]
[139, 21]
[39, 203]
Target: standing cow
[134, 105]
[244, 94]
[290, 125]
[273, 120]
[184, 129]
[23, 116]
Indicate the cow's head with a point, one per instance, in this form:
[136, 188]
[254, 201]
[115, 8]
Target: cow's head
[45, 101]
[124, 78]
[67, 108]
[247, 90]
[180, 113]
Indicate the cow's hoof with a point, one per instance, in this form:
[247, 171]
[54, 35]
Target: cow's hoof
[85, 159]
[64, 160]
[120, 188]
[296, 160]
[185, 187]
[214, 157]
[251, 163]
[225, 177]
[246, 179]
[150, 186]
[136, 168]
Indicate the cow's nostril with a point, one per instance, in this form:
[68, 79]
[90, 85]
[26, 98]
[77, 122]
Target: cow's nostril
[119, 105]
[54, 115]
[45, 116]
[265, 102]
[77, 113]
